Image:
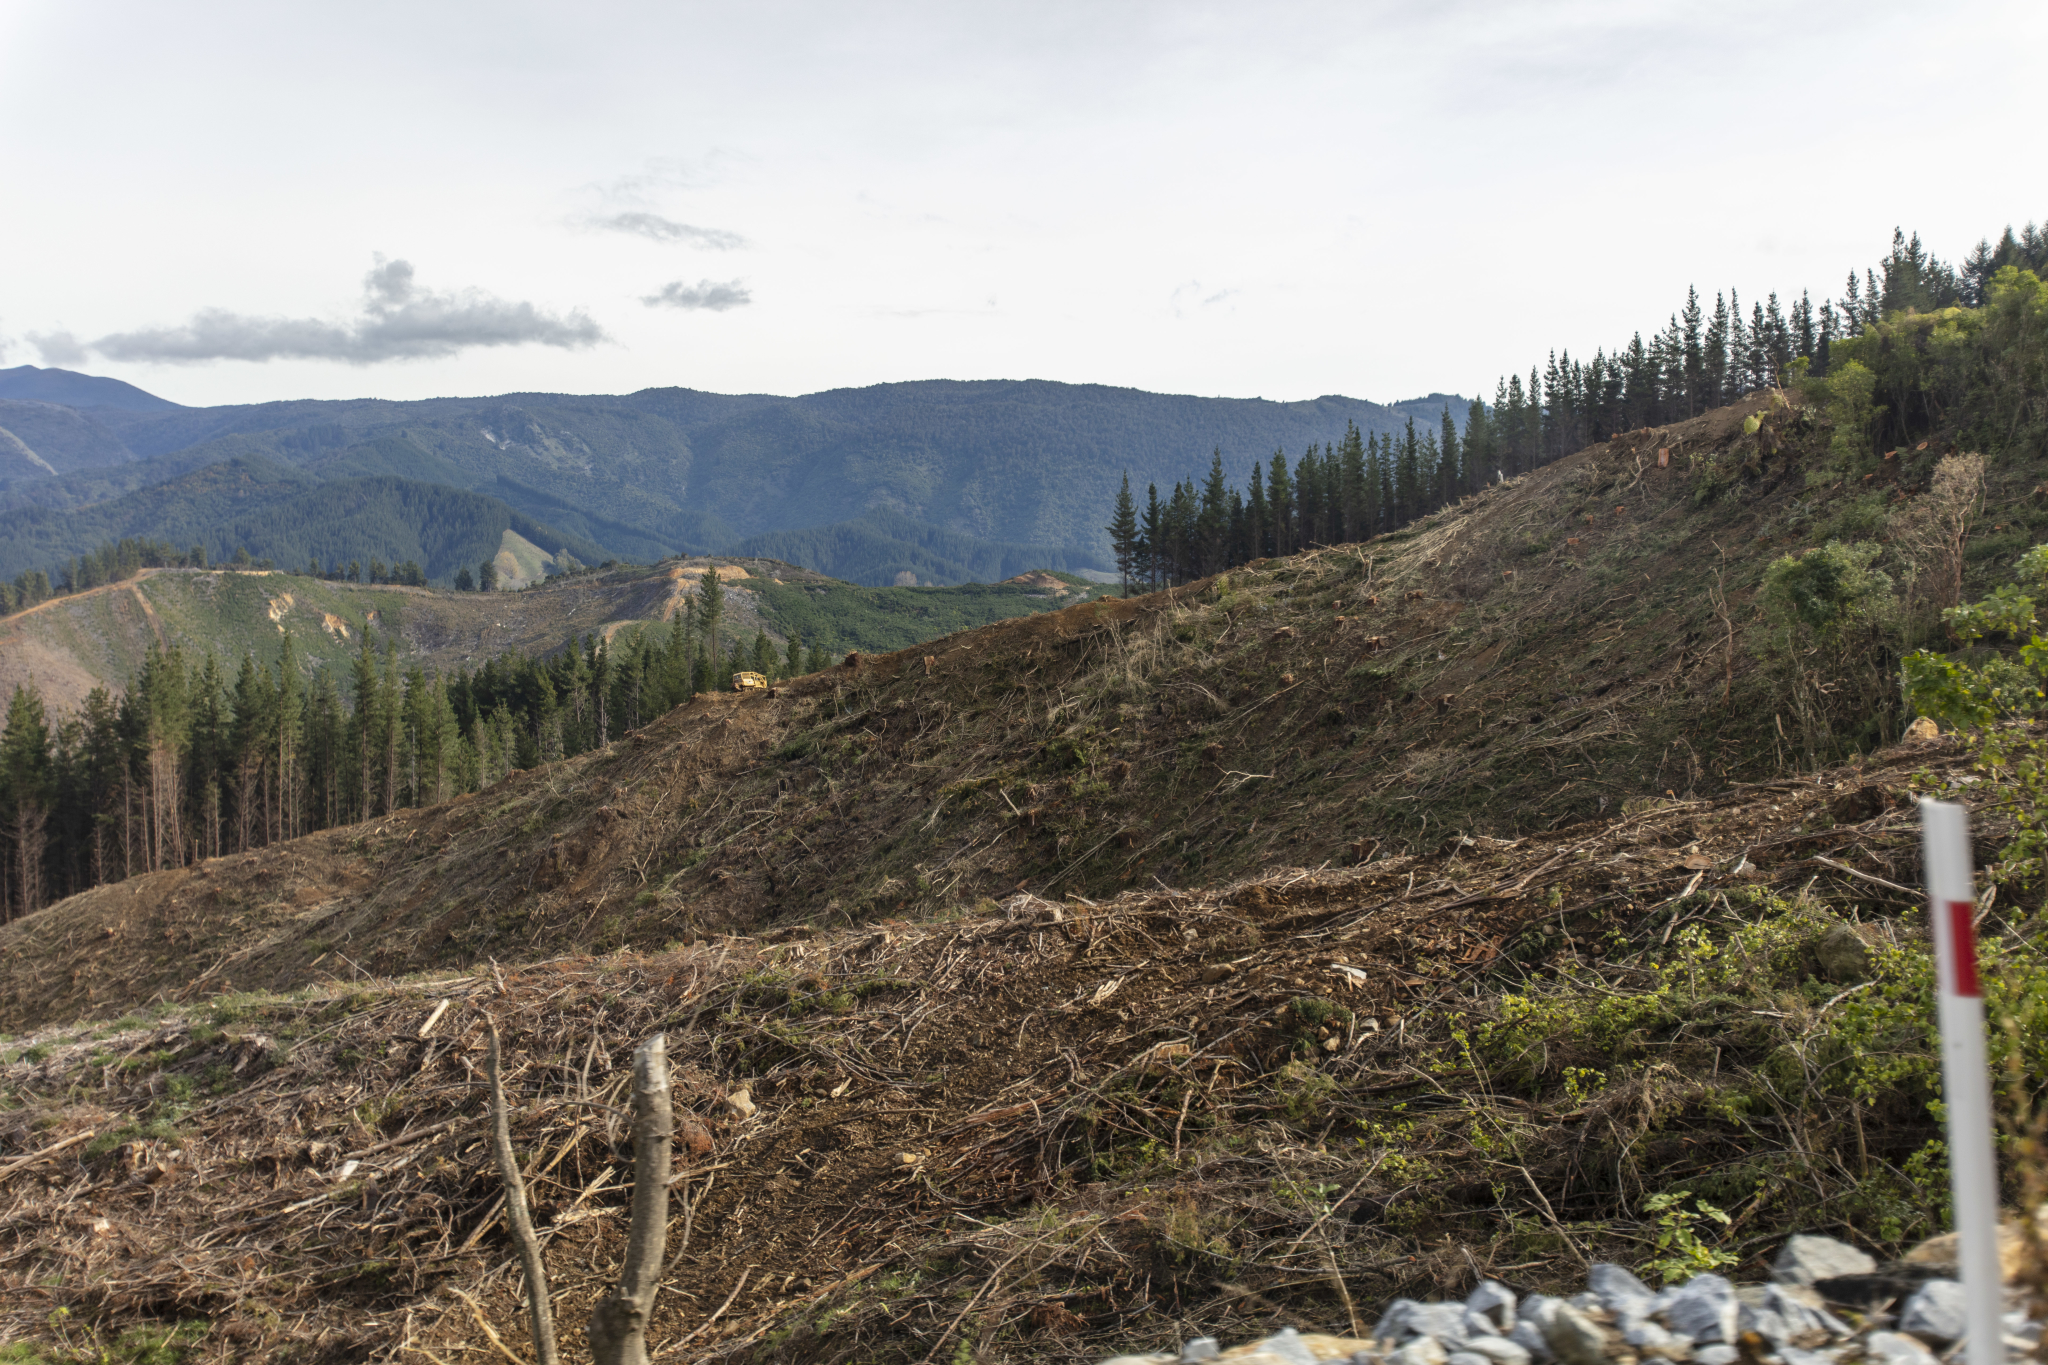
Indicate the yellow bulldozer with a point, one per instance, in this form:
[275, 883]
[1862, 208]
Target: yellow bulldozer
[748, 681]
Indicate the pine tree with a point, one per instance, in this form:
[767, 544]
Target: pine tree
[1477, 449]
[1152, 550]
[24, 801]
[1373, 517]
[1452, 457]
[1714, 388]
[1280, 505]
[287, 740]
[710, 616]
[1694, 357]
[1258, 517]
[1351, 484]
[1123, 534]
[1408, 478]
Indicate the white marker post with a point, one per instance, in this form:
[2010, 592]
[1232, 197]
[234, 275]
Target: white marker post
[1965, 1075]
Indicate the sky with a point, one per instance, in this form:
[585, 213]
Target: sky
[242, 202]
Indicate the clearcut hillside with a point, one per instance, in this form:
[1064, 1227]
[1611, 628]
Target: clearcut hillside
[1545, 652]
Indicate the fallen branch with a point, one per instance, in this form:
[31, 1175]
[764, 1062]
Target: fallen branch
[538, 1310]
[1865, 876]
[32, 1158]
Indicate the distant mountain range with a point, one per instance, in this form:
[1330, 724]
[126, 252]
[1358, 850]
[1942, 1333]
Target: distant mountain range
[948, 481]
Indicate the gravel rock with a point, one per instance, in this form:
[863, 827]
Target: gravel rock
[1495, 1302]
[1421, 1351]
[1896, 1348]
[1284, 1347]
[1702, 1308]
[1618, 1321]
[1575, 1338]
[1651, 1339]
[1935, 1313]
[1795, 1355]
[1529, 1337]
[1393, 1322]
[1843, 955]
[1288, 1345]
[1444, 1321]
[1810, 1324]
[1618, 1289]
[1806, 1259]
[1499, 1350]
[1477, 1324]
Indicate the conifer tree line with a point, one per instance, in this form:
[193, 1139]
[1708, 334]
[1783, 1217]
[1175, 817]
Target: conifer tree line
[190, 763]
[1366, 485]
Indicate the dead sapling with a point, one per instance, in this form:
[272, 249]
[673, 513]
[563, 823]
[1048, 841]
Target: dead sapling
[618, 1322]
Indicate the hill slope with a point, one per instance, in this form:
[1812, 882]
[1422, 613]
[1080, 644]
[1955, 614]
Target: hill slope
[67, 646]
[1395, 904]
[31, 384]
[1297, 711]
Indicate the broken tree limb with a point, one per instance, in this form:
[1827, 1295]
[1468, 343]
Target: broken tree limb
[32, 1158]
[618, 1324]
[538, 1309]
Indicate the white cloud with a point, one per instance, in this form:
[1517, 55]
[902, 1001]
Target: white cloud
[399, 321]
[57, 348]
[705, 294]
[656, 228]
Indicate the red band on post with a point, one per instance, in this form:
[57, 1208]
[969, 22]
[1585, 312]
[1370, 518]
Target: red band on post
[1962, 945]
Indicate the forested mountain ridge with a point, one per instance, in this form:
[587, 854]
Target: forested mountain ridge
[662, 470]
[291, 516]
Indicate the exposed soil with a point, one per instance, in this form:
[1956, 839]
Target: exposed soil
[1299, 712]
[324, 1191]
[1067, 960]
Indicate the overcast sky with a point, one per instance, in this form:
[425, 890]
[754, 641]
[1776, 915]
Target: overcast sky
[228, 203]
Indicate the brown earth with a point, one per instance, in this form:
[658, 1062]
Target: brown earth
[921, 1089]
[1279, 825]
[1294, 712]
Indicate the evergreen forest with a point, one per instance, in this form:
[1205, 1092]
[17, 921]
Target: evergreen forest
[1911, 340]
[188, 762]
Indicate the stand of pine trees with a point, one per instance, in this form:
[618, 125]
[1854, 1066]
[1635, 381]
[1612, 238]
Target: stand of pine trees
[1361, 487]
[189, 764]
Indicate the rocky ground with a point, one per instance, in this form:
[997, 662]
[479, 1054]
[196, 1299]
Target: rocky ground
[1826, 1303]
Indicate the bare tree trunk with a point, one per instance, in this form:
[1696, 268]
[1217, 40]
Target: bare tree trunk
[538, 1309]
[618, 1324]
